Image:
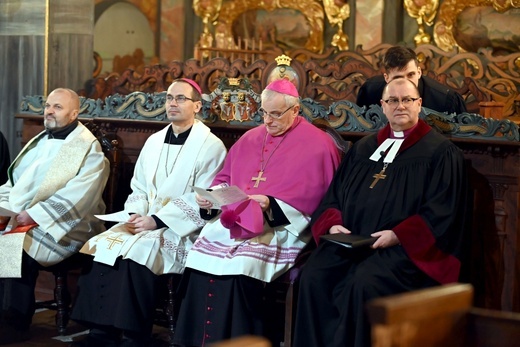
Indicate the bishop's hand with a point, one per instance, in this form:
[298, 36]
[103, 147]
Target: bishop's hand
[263, 200]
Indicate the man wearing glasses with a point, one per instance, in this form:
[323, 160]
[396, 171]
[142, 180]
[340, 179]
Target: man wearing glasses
[400, 62]
[404, 187]
[285, 167]
[117, 294]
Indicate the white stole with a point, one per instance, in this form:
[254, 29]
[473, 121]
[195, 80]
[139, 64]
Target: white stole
[65, 165]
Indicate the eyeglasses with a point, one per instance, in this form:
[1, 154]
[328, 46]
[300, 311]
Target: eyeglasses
[394, 102]
[274, 115]
[179, 99]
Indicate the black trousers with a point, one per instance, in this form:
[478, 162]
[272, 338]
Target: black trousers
[335, 285]
[17, 295]
[123, 296]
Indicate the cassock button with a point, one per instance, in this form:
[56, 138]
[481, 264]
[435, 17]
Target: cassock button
[207, 336]
[210, 295]
[208, 322]
[211, 281]
[209, 308]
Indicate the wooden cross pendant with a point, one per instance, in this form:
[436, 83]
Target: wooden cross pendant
[379, 176]
[258, 179]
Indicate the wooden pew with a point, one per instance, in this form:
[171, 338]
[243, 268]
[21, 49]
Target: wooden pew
[440, 316]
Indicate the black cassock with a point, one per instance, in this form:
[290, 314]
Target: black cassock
[422, 199]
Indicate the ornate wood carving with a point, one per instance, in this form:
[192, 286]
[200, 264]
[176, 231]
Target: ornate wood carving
[332, 76]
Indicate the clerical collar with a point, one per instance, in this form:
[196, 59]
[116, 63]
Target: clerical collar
[401, 134]
[388, 149]
[180, 139]
[61, 133]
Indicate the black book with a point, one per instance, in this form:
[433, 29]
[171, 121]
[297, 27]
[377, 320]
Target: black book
[350, 240]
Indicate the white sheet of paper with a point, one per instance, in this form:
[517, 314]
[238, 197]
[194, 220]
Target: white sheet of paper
[7, 213]
[119, 217]
[12, 222]
[222, 196]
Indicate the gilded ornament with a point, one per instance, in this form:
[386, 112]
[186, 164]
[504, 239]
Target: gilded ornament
[209, 11]
[336, 16]
[230, 11]
[424, 11]
[445, 25]
[283, 60]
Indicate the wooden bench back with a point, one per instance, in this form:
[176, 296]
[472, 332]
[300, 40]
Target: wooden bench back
[440, 316]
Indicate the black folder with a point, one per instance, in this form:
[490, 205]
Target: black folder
[350, 240]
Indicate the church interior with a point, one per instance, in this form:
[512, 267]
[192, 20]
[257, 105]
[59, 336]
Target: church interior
[121, 55]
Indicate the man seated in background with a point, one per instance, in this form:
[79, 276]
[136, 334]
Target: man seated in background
[55, 186]
[400, 62]
[405, 186]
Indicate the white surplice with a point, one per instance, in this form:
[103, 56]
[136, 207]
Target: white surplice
[265, 257]
[60, 184]
[169, 196]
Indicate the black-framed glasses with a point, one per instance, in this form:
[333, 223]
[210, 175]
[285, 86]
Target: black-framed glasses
[179, 99]
[394, 102]
[274, 115]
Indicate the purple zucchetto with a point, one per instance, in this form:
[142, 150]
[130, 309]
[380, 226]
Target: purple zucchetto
[283, 86]
[192, 83]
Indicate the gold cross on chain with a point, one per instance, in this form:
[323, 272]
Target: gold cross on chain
[379, 176]
[258, 179]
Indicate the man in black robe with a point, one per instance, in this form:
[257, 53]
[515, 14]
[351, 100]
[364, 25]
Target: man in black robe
[4, 159]
[400, 62]
[408, 197]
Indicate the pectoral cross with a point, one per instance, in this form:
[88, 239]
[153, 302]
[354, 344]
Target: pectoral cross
[379, 176]
[113, 240]
[258, 179]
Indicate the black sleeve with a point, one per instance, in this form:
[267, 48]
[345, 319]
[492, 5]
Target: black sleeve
[159, 222]
[208, 214]
[361, 98]
[457, 103]
[279, 217]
